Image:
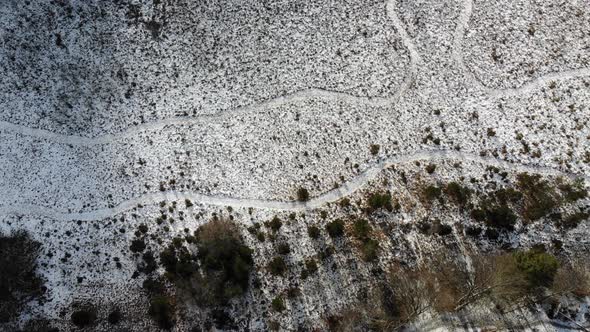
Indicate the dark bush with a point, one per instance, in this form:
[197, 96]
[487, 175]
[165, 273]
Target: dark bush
[311, 266]
[335, 228]
[137, 245]
[440, 229]
[492, 234]
[150, 264]
[539, 196]
[473, 231]
[83, 317]
[573, 191]
[225, 260]
[505, 196]
[375, 149]
[143, 228]
[302, 195]
[162, 310]
[283, 248]
[277, 266]
[572, 220]
[430, 168]
[114, 317]
[153, 286]
[313, 232]
[457, 193]
[378, 201]
[345, 202]
[370, 250]
[361, 229]
[19, 281]
[225, 263]
[178, 262]
[497, 216]
[430, 193]
[275, 223]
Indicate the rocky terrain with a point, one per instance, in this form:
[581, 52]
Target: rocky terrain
[339, 146]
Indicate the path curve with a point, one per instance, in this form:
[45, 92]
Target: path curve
[274, 102]
[535, 83]
[331, 196]
[415, 58]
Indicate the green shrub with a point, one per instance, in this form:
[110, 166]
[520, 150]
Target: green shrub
[361, 229]
[162, 311]
[178, 262]
[154, 286]
[313, 232]
[278, 304]
[539, 267]
[302, 195]
[277, 266]
[370, 250]
[335, 228]
[378, 201]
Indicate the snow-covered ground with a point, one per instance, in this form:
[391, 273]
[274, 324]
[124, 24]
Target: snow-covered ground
[109, 108]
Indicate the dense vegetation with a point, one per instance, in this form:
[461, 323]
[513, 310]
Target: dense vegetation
[441, 284]
[19, 281]
[225, 263]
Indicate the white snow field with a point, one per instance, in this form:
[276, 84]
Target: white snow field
[112, 110]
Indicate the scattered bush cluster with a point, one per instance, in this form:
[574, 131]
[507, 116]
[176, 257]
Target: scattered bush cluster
[226, 262]
[217, 272]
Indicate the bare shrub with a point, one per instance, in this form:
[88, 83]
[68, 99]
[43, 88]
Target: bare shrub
[572, 279]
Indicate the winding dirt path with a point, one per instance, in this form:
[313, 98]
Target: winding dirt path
[302, 95]
[415, 61]
[334, 195]
[535, 83]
